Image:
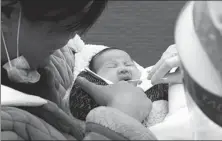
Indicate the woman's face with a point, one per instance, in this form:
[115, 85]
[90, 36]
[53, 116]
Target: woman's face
[37, 40]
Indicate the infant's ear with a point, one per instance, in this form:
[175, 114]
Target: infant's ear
[76, 43]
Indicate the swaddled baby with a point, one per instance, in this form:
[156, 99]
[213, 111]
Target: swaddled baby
[110, 65]
[116, 65]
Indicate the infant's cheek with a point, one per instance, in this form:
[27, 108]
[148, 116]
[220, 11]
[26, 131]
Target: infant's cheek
[136, 74]
[111, 78]
[114, 80]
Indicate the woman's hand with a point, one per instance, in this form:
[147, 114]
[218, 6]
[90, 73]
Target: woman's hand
[160, 73]
[105, 95]
[122, 96]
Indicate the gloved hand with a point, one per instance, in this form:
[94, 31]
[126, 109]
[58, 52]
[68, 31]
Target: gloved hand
[160, 71]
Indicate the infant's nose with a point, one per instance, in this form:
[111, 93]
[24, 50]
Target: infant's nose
[123, 71]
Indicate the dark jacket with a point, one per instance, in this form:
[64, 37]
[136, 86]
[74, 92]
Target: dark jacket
[49, 120]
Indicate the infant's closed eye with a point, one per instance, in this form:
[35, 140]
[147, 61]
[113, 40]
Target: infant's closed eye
[129, 64]
[111, 65]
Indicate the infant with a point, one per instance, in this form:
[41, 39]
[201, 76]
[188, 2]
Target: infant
[116, 65]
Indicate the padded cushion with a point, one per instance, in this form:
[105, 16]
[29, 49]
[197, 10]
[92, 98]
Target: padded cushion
[18, 124]
[115, 125]
[42, 122]
[81, 102]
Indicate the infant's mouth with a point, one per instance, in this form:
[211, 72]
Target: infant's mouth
[125, 77]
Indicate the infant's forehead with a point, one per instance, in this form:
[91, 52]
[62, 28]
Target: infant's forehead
[115, 53]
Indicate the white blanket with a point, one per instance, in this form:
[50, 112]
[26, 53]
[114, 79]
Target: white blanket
[176, 125]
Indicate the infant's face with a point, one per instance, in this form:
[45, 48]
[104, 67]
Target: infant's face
[116, 65]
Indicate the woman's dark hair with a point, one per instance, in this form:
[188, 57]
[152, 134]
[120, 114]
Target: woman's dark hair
[84, 12]
[92, 61]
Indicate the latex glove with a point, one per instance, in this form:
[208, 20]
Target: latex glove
[160, 73]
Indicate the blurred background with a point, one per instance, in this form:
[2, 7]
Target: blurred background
[144, 29]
